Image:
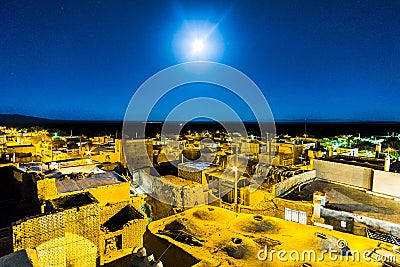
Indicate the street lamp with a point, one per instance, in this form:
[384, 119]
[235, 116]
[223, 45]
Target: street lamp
[235, 169]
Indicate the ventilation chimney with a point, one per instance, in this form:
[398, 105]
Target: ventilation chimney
[387, 163]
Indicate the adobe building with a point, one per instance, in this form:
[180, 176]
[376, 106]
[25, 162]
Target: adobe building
[137, 153]
[359, 197]
[196, 171]
[18, 195]
[22, 153]
[3, 143]
[66, 234]
[85, 219]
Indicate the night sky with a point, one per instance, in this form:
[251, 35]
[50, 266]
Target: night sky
[320, 60]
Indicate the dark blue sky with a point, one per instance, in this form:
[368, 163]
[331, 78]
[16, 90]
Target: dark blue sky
[312, 59]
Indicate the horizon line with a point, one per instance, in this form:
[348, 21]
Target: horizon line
[303, 121]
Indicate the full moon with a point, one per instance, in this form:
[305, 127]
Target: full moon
[198, 40]
[197, 46]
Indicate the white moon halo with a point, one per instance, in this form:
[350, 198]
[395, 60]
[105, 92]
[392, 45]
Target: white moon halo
[198, 46]
[198, 40]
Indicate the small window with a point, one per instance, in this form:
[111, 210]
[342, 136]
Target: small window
[343, 224]
[295, 216]
[288, 214]
[303, 217]
[112, 244]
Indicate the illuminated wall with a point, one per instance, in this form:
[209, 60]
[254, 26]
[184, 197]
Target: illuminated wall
[387, 183]
[139, 153]
[344, 173]
[64, 238]
[111, 193]
[121, 233]
[47, 188]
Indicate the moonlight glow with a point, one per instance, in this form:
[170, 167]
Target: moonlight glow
[198, 40]
[198, 46]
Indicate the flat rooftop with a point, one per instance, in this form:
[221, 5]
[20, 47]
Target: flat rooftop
[96, 180]
[226, 174]
[200, 166]
[33, 167]
[344, 198]
[180, 181]
[19, 145]
[89, 168]
[71, 201]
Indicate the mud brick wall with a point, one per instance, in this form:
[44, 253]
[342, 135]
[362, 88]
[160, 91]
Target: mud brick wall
[31, 232]
[344, 173]
[132, 233]
[387, 183]
[283, 187]
[106, 212]
[64, 238]
[47, 188]
[304, 206]
[189, 174]
[171, 193]
[83, 221]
